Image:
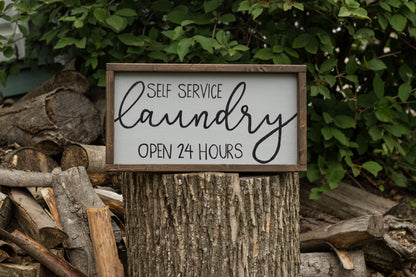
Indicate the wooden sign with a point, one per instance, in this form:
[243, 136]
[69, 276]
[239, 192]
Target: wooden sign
[193, 117]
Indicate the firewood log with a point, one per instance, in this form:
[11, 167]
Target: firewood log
[20, 178]
[34, 221]
[69, 79]
[326, 264]
[57, 265]
[50, 121]
[347, 202]
[344, 235]
[105, 248]
[31, 159]
[92, 157]
[73, 189]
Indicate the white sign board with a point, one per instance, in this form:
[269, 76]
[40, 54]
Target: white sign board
[203, 119]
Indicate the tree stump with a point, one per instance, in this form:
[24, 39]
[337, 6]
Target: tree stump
[211, 224]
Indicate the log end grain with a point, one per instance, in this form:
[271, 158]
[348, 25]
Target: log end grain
[72, 156]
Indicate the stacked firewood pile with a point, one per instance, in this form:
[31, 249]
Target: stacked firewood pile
[351, 232]
[61, 214]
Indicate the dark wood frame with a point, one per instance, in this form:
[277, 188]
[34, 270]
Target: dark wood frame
[300, 70]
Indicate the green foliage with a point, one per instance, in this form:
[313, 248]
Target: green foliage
[359, 55]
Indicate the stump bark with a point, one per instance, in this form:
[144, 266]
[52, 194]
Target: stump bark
[211, 224]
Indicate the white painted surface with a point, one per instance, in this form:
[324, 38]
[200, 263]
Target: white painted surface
[265, 94]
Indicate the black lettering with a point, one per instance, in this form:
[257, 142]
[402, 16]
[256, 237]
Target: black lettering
[183, 90]
[228, 116]
[151, 87]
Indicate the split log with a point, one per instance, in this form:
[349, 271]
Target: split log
[20, 178]
[34, 221]
[344, 235]
[6, 210]
[113, 200]
[92, 157]
[55, 264]
[105, 248]
[211, 224]
[31, 159]
[347, 202]
[50, 121]
[326, 264]
[73, 189]
[68, 79]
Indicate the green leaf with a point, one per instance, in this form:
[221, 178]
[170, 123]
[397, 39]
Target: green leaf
[78, 24]
[385, 6]
[327, 118]
[355, 171]
[378, 86]
[183, 47]
[313, 173]
[116, 22]
[65, 41]
[312, 46]
[302, 40]
[187, 22]
[244, 6]
[100, 14]
[281, 59]
[375, 133]
[344, 121]
[206, 43]
[383, 114]
[398, 22]
[264, 54]
[298, 6]
[376, 64]
[404, 91]
[351, 65]
[340, 136]
[129, 39]
[8, 52]
[315, 194]
[331, 80]
[81, 43]
[400, 180]
[211, 5]
[256, 11]
[326, 133]
[389, 142]
[382, 21]
[178, 15]
[126, 12]
[328, 65]
[241, 48]
[344, 12]
[228, 18]
[373, 167]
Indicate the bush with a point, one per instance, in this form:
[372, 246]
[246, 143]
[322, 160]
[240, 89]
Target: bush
[359, 55]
